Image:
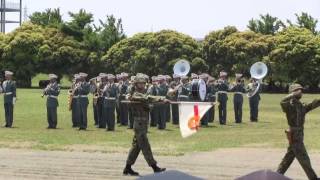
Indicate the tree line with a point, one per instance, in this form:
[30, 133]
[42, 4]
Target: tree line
[47, 43]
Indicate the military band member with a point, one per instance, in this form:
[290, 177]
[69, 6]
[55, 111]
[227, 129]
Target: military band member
[162, 113]
[205, 118]
[175, 107]
[118, 84]
[94, 83]
[52, 92]
[168, 79]
[9, 91]
[75, 111]
[211, 97]
[223, 87]
[194, 76]
[83, 101]
[130, 90]
[123, 107]
[295, 112]
[141, 118]
[101, 98]
[238, 89]
[153, 90]
[110, 94]
[184, 90]
[254, 100]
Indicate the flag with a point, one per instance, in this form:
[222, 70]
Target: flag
[190, 114]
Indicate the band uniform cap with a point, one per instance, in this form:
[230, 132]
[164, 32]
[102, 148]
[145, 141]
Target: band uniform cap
[124, 74]
[294, 87]
[53, 76]
[223, 73]
[83, 75]
[132, 78]
[111, 76]
[103, 75]
[154, 78]
[168, 77]
[119, 76]
[193, 75]
[175, 76]
[161, 77]
[184, 77]
[8, 73]
[238, 75]
[210, 79]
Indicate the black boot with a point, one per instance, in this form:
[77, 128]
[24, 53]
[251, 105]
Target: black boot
[129, 171]
[157, 169]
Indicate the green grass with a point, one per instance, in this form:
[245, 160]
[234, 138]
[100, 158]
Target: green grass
[30, 130]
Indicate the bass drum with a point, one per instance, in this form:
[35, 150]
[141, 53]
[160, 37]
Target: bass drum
[198, 89]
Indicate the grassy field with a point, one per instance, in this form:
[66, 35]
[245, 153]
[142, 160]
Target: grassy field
[30, 130]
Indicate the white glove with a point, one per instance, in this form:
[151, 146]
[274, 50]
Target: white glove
[14, 100]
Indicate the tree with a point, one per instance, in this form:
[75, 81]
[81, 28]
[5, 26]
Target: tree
[50, 17]
[151, 53]
[110, 32]
[20, 54]
[213, 54]
[80, 22]
[296, 57]
[265, 25]
[305, 21]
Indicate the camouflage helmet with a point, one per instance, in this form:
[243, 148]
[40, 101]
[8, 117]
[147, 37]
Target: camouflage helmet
[140, 79]
[294, 87]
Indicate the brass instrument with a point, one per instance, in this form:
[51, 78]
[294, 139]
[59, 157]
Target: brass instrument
[71, 94]
[49, 86]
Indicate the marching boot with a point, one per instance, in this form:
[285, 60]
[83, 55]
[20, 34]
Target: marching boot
[157, 169]
[129, 171]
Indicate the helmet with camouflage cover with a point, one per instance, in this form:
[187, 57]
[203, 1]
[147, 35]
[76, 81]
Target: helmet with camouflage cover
[139, 79]
[294, 87]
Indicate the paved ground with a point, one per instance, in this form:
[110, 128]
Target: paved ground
[220, 164]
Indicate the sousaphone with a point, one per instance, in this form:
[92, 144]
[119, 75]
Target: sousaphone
[258, 71]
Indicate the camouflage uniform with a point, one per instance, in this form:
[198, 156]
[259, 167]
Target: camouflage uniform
[295, 112]
[140, 113]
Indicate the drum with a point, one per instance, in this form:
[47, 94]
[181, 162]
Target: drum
[198, 89]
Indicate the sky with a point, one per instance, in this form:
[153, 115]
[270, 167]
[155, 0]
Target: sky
[193, 17]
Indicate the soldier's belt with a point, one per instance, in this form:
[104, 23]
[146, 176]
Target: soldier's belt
[74, 97]
[55, 97]
[183, 96]
[109, 98]
[222, 92]
[84, 96]
[8, 93]
[240, 93]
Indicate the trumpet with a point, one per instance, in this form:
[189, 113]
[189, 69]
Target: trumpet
[49, 86]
